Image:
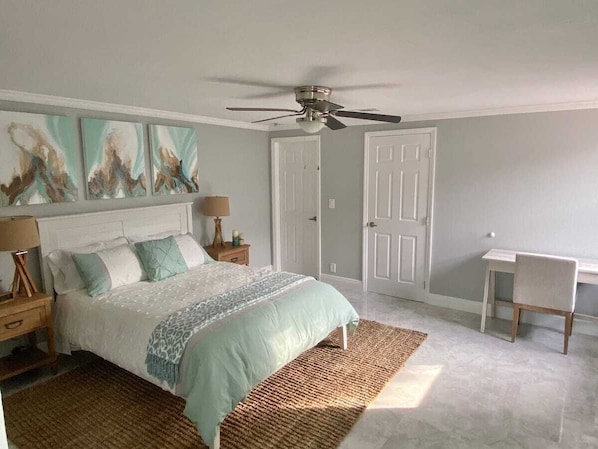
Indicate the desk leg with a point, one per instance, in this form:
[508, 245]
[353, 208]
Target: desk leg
[485, 301]
[492, 293]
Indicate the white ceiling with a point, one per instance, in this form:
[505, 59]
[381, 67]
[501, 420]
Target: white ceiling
[437, 56]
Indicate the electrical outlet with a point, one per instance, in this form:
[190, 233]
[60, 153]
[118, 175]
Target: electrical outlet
[331, 203]
[332, 267]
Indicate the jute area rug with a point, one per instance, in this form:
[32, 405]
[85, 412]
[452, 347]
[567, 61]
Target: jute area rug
[311, 403]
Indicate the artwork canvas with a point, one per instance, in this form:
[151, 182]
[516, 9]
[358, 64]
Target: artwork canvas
[114, 159]
[38, 163]
[174, 159]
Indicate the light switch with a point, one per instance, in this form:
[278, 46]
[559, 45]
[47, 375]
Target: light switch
[331, 203]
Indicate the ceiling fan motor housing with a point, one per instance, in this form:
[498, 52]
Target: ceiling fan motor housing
[309, 95]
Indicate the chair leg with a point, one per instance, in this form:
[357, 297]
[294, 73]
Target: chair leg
[516, 315]
[568, 324]
[572, 319]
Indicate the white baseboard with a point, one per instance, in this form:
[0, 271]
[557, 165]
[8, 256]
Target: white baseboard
[449, 302]
[580, 326]
[332, 278]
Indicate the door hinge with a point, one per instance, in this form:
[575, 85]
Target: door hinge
[430, 153]
[424, 285]
[318, 168]
[426, 221]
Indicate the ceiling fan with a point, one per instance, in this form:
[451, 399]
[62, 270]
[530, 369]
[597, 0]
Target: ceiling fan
[317, 111]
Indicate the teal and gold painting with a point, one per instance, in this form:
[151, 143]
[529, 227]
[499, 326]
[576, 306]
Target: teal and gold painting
[174, 159]
[114, 159]
[37, 159]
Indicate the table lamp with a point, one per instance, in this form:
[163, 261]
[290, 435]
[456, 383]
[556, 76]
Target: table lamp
[216, 206]
[18, 234]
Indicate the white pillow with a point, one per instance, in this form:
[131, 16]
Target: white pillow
[192, 252]
[159, 236]
[65, 274]
[110, 268]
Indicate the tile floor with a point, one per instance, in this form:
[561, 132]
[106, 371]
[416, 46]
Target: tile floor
[463, 389]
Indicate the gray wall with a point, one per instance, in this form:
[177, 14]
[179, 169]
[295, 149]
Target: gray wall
[531, 178]
[232, 161]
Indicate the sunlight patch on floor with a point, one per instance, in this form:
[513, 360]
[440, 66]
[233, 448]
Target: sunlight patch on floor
[408, 388]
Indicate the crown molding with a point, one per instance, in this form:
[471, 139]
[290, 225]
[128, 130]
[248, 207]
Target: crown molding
[527, 109]
[52, 100]
[554, 107]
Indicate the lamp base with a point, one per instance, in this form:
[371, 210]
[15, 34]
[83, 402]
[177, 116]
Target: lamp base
[22, 284]
[218, 233]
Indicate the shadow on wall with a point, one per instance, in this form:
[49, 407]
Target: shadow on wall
[206, 224]
[449, 273]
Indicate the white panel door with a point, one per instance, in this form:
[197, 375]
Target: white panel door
[397, 207]
[298, 205]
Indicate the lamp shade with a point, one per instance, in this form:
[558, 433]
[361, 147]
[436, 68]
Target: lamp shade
[18, 232]
[216, 206]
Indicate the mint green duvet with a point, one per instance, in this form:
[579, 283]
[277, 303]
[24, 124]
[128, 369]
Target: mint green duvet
[224, 361]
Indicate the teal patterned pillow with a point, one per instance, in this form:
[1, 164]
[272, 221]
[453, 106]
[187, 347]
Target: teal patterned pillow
[161, 258]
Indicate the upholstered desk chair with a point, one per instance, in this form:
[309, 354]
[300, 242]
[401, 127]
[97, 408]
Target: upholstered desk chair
[545, 284]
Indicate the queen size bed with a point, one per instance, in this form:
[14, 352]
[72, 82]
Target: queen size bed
[209, 334]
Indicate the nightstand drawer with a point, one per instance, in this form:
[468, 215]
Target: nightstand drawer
[229, 253]
[238, 257]
[22, 322]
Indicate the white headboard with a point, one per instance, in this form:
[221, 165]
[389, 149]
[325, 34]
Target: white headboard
[71, 231]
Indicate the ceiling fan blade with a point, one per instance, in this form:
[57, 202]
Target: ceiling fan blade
[264, 110]
[365, 87]
[280, 116]
[251, 83]
[367, 116]
[334, 124]
[271, 94]
[325, 106]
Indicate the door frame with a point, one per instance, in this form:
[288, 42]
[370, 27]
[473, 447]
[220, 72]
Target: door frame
[274, 163]
[430, 221]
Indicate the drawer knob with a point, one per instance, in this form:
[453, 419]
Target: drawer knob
[234, 259]
[14, 324]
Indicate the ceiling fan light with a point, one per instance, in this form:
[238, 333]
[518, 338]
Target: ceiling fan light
[311, 126]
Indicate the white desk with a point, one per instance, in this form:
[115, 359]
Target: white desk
[504, 261]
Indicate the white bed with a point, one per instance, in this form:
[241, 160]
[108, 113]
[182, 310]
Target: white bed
[118, 325]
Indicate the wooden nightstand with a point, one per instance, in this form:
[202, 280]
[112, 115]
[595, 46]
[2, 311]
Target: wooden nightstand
[235, 254]
[22, 316]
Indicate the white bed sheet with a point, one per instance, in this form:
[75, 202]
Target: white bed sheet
[117, 325]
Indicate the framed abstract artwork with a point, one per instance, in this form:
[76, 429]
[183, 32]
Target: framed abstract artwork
[38, 163]
[174, 159]
[114, 159]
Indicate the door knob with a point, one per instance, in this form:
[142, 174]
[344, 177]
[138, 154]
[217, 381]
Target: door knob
[313, 218]
[371, 224]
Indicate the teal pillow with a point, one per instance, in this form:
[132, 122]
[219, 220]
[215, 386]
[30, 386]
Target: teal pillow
[161, 258]
[93, 272]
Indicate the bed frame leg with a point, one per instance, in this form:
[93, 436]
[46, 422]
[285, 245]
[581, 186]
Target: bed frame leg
[344, 343]
[216, 443]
